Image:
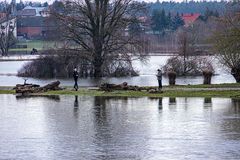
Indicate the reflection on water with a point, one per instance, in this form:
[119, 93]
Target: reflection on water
[207, 102]
[82, 127]
[50, 97]
[236, 105]
[172, 100]
[76, 107]
[160, 103]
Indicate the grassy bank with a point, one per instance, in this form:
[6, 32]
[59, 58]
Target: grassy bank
[37, 44]
[223, 85]
[7, 91]
[167, 93]
[216, 90]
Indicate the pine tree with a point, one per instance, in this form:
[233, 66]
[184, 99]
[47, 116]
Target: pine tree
[169, 20]
[45, 4]
[159, 21]
[177, 22]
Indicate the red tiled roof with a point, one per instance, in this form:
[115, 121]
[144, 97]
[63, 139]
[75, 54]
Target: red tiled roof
[190, 18]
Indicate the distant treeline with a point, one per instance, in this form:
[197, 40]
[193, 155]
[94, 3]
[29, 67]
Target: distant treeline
[173, 7]
[189, 7]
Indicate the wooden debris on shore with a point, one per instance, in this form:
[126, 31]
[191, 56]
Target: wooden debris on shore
[124, 86]
[34, 88]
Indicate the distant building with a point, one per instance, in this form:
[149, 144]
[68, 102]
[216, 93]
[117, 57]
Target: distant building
[27, 13]
[32, 22]
[30, 11]
[189, 19]
[34, 27]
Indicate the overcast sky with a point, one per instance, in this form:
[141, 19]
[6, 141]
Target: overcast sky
[50, 1]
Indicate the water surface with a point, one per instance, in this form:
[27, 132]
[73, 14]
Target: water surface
[93, 128]
[147, 76]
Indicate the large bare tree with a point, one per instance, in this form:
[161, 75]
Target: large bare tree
[227, 41]
[100, 30]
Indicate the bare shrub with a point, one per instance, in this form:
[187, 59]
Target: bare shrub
[193, 66]
[60, 63]
[226, 38]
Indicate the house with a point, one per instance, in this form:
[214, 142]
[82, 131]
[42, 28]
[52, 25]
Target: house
[30, 27]
[189, 19]
[32, 22]
[27, 13]
[30, 11]
[33, 27]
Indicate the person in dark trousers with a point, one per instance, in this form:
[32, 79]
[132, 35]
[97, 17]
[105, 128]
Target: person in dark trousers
[159, 77]
[75, 76]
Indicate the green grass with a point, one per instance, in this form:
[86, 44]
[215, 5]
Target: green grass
[166, 93]
[7, 91]
[223, 85]
[38, 44]
[85, 92]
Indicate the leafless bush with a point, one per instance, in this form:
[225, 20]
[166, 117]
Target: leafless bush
[192, 66]
[120, 69]
[60, 63]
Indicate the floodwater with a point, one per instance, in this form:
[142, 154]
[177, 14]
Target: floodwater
[104, 128]
[147, 75]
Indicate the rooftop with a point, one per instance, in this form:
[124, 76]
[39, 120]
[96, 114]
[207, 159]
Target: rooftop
[190, 18]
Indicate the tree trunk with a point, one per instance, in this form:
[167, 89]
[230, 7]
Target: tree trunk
[236, 74]
[97, 70]
[97, 64]
[4, 52]
[207, 76]
[172, 77]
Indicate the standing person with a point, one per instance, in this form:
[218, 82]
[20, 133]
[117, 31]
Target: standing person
[75, 76]
[159, 77]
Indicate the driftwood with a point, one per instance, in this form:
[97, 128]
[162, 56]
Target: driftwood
[123, 86]
[34, 88]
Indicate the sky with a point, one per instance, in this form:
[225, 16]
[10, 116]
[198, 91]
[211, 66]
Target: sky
[42, 1]
[50, 1]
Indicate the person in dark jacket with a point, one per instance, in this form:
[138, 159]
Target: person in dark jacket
[159, 78]
[34, 51]
[75, 76]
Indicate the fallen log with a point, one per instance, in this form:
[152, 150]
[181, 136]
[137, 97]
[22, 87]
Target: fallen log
[34, 88]
[123, 86]
[51, 86]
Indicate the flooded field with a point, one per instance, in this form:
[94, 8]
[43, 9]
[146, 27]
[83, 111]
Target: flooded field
[94, 128]
[147, 75]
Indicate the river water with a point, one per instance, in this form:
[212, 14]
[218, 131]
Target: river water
[95, 128]
[147, 76]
